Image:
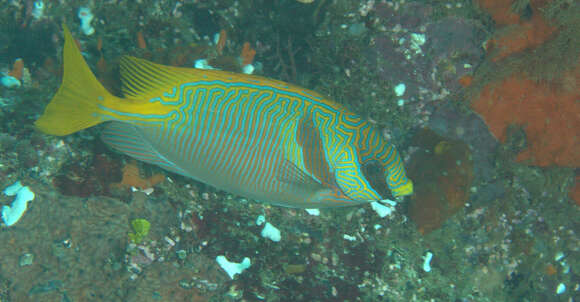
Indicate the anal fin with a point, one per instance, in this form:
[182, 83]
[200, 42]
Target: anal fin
[128, 139]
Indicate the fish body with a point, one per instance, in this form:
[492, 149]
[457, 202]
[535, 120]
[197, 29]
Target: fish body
[256, 137]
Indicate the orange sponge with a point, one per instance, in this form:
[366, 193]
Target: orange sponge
[548, 112]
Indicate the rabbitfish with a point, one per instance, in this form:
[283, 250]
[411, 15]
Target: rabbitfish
[256, 137]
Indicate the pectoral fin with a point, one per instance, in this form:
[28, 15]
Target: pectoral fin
[293, 175]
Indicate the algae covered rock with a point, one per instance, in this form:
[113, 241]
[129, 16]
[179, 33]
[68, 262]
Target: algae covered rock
[442, 170]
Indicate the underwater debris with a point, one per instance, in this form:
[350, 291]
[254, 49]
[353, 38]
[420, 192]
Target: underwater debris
[260, 220]
[400, 89]
[349, 237]
[37, 10]
[233, 268]
[86, 17]
[12, 214]
[9, 81]
[14, 77]
[427, 262]
[384, 210]
[313, 212]
[271, 232]
[26, 259]
[202, 64]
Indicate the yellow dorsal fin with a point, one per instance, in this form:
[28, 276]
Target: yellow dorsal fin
[143, 80]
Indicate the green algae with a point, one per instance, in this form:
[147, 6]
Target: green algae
[140, 228]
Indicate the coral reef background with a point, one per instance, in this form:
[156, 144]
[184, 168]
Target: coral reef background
[481, 98]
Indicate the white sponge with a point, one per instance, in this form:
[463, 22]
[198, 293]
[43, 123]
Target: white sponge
[11, 214]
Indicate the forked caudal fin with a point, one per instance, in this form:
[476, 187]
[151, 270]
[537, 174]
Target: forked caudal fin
[76, 103]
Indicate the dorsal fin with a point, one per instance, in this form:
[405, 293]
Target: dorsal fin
[144, 80]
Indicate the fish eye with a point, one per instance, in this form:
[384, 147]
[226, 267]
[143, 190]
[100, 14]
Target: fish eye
[374, 173]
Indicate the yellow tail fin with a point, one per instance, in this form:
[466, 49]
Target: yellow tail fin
[76, 103]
